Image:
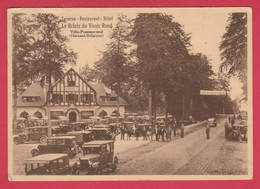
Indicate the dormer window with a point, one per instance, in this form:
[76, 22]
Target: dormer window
[31, 99]
[113, 98]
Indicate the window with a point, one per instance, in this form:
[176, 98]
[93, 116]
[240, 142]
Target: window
[113, 99]
[59, 142]
[71, 79]
[57, 98]
[54, 165]
[31, 99]
[24, 115]
[103, 98]
[71, 98]
[51, 141]
[86, 114]
[55, 114]
[87, 97]
[60, 163]
[38, 114]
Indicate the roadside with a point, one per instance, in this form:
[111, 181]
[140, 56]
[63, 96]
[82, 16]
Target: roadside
[193, 154]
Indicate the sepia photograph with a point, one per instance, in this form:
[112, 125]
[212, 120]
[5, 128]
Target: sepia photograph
[130, 94]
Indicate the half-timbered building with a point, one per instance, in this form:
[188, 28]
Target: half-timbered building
[70, 96]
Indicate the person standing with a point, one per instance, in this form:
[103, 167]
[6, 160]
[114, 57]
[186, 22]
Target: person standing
[129, 134]
[226, 129]
[122, 133]
[232, 121]
[163, 133]
[207, 131]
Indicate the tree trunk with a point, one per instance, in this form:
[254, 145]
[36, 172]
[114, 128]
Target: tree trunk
[166, 109]
[117, 107]
[150, 106]
[183, 107]
[48, 105]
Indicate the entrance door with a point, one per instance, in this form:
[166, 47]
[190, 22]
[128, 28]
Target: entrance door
[72, 117]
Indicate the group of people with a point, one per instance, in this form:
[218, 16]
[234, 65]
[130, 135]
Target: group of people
[149, 132]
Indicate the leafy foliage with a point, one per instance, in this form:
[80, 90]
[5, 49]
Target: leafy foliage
[234, 48]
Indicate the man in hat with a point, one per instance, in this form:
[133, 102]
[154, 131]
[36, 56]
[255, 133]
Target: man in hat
[207, 131]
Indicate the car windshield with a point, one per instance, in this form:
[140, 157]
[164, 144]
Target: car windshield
[92, 150]
[41, 168]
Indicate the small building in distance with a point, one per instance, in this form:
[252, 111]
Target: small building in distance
[71, 96]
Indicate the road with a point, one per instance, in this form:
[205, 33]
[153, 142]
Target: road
[191, 155]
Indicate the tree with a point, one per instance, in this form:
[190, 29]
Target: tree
[22, 46]
[113, 68]
[88, 73]
[51, 51]
[233, 48]
[39, 49]
[162, 46]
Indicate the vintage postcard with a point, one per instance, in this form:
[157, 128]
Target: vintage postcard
[130, 94]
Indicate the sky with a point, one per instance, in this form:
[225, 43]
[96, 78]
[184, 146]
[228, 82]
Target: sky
[206, 26]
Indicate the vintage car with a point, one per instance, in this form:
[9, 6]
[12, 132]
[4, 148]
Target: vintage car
[75, 126]
[58, 144]
[35, 133]
[113, 128]
[98, 157]
[48, 164]
[212, 122]
[238, 131]
[81, 136]
[102, 134]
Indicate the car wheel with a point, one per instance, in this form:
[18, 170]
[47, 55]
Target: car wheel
[35, 152]
[17, 140]
[43, 139]
[68, 152]
[98, 170]
[24, 137]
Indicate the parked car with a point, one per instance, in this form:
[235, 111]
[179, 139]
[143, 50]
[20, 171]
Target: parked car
[238, 132]
[48, 164]
[102, 134]
[113, 128]
[58, 144]
[75, 126]
[35, 133]
[98, 157]
[212, 122]
[81, 136]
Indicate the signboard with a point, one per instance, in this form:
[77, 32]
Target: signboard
[210, 92]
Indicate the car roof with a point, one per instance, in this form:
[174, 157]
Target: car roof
[45, 158]
[97, 142]
[78, 132]
[99, 128]
[62, 137]
[38, 127]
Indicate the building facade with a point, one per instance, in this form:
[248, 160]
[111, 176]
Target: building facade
[70, 96]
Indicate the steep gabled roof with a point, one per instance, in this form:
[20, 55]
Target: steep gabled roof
[34, 90]
[71, 69]
[102, 90]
